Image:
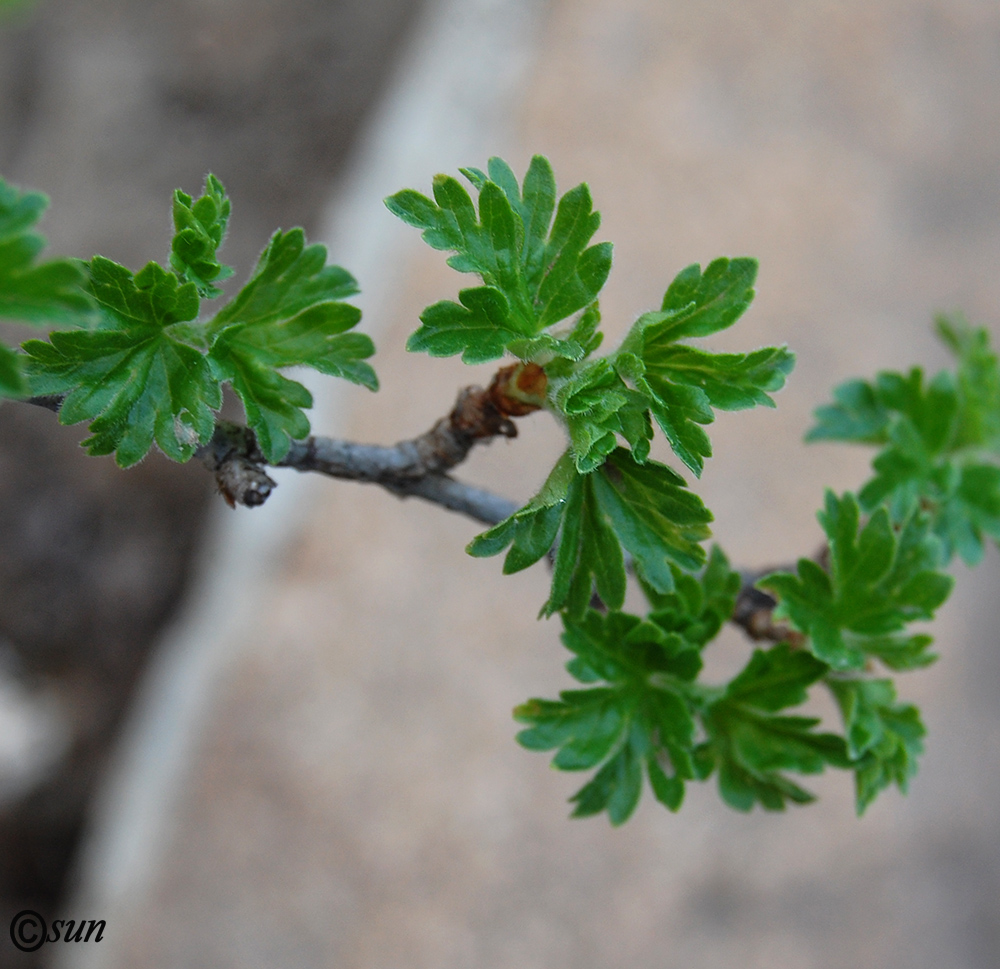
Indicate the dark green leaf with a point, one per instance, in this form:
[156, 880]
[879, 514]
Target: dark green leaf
[644, 508]
[776, 678]
[138, 377]
[751, 745]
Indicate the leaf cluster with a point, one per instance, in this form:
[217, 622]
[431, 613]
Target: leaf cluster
[538, 269]
[607, 508]
[605, 500]
[649, 717]
[150, 368]
[139, 359]
[938, 441]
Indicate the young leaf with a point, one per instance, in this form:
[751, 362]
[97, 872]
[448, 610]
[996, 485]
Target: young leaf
[884, 738]
[479, 327]
[542, 267]
[640, 718]
[645, 509]
[750, 744]
[289, 313]
[138, 377]
[681, 384]
[878, 582]
[700, 304]
[596, 407]
[199, 229]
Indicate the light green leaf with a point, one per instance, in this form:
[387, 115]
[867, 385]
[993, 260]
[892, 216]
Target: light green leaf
[879, 580]
[884, 738]
[199, 230]
[289, 313]
[541, 265]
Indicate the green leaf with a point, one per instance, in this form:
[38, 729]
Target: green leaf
[289, 313]
[640, 717]
[32, 292]
[12, 382]
[938, 440]
[479, 327]
[645, 509]
[699, 606]
[700, 304]
[199, 230]
[40, 293]
[879, 580]
[137, 378]
[596, 406]
[776, 678]
[978, 382]
[751, 745]
[884, 738]
[681, 385]
[541, 266]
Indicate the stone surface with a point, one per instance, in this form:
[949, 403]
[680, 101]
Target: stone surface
[356, 798]
[107, 107]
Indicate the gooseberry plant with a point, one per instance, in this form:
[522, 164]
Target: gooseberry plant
[143, 358]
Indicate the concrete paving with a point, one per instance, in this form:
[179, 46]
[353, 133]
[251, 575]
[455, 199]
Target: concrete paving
[353, 797]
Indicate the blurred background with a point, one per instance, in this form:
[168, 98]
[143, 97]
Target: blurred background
[282, 736]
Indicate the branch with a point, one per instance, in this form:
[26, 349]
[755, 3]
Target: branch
[754, 612]
[418, 468]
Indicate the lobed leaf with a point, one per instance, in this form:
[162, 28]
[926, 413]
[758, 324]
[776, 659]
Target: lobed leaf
[289, 313]
[751, 745]
[682, 385]
[884, 738]
[137, 378]
[640, 721]
[539, 268]
[644, 509]
[31, 291]
[879, 580]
